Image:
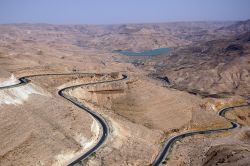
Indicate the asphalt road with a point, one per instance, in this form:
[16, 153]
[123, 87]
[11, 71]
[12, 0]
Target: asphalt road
[25, 80]
[168, 145]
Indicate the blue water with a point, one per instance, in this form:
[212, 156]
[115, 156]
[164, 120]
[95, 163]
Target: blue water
[154, 52]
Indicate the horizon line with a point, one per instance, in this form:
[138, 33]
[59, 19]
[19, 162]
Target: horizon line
[126, 23]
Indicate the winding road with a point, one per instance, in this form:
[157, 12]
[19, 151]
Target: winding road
[168, 145]
[25, 80]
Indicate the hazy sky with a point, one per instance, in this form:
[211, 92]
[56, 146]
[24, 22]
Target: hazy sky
[121, 11]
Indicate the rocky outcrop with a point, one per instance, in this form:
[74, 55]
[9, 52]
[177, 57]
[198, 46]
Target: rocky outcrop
[233, 152]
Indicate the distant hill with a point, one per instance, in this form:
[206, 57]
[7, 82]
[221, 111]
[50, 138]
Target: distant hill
[237, 28]
[212, 69]
[135, 37]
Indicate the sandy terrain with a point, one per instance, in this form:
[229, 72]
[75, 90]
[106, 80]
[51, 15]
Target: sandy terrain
[232, 148]
[29, 128]
[38, 127]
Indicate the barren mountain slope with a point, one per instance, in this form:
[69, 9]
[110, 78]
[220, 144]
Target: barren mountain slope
[40, 127]
[215, 68]
[136, 37]
[229, 148]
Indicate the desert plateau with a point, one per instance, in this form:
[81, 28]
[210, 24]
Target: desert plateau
[133, 94]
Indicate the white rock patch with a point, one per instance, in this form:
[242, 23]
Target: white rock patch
[17, 95]
[11, 81]
[65, 157]
[95, 129]
[62, 159]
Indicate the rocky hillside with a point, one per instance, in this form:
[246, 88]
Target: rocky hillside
[216, 68]
[135, 37]
[237, 28]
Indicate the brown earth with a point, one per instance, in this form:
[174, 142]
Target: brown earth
[232, 148]
[217, 68]
[38, 127]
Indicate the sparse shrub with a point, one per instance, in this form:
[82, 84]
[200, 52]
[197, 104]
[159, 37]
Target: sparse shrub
[93, 154]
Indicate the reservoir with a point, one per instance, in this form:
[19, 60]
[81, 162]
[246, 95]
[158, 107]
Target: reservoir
[153, 52]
